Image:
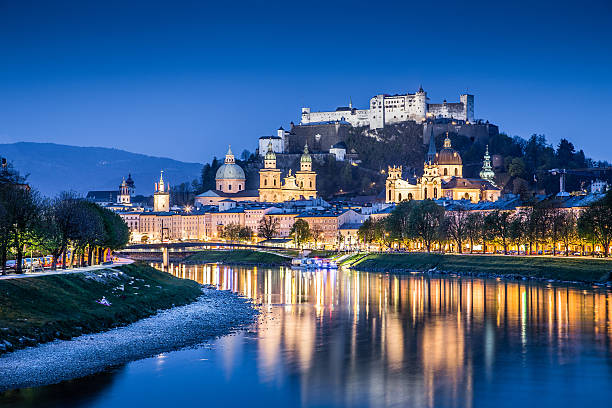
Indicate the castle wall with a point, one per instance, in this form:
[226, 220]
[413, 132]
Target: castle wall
[320, 138]
[478, 132]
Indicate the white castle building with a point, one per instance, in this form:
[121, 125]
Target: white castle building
[388, 109]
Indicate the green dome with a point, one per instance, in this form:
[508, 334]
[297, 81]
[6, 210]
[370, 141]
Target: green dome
[306, 156]
[270, 155]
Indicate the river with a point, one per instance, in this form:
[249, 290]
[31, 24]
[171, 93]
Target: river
[352, 339]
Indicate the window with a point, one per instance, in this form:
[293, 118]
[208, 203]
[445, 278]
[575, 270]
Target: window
[435, 193]
[410, 196]
[229, 186]
[399, 197]
[265, 182]
[425, 193]
[446, 172]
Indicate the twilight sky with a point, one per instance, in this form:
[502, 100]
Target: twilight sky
[184, 79]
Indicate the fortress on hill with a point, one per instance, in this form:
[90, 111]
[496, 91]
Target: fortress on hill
[389, 109]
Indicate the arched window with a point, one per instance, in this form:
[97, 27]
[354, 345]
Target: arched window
[445, 171]
[229, 186]
[275, 182]
[467, 196]
[310, 183]
[425, 193]
[410, 196]
[456, 171]
[265, 182]
[389, 195]
[301, 184]
[435, 193]
[399, 197]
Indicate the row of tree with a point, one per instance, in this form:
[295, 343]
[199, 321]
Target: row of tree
[428, 225]
[54, 227]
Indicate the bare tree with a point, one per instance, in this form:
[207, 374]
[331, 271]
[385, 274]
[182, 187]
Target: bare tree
[268, 227]
[456, 226]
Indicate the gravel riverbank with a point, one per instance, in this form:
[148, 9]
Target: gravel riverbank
[213, 314]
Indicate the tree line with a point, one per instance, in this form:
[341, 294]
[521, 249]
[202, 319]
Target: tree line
[67, 223]
[534, 226]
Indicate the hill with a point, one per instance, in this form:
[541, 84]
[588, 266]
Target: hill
[53, 167]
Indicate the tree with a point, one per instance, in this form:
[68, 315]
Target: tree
[473, 228]
[568, 230]
[300, 231]
[596, 220]
[498, 223]
[24, 206]
[367, 231]
[231, 232]
[268, 227]
[398, 223]
[516, 233]
[455, 225]
[316, 234]
[426, 221]
[245, 234]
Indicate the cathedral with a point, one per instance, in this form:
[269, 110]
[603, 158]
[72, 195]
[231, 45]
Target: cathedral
[298, 186]
[230, 182]
[442, 178]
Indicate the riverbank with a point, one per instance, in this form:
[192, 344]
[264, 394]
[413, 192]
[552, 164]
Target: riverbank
[582, 270]
[215, 313]
[239, 257]
[35, 310]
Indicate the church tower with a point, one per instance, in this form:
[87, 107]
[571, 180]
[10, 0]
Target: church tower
[306, 179]
[270, 178]
[124, 194]
[161, 197]
[487, 170]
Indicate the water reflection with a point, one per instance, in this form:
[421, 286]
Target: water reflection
[354, 338]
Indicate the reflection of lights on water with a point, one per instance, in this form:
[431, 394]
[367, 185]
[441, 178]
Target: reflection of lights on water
[433, 316]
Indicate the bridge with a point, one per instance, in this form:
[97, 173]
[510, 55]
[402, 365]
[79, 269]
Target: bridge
[188, 248]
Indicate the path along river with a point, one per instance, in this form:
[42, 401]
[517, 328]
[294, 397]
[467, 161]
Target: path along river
[346, 338]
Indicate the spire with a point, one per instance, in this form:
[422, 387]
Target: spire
[350, 102]
[229, 156]
[447, 142]
[431, 154]
[270, 155]
[487, 172]
[160, 185]
[306, 156]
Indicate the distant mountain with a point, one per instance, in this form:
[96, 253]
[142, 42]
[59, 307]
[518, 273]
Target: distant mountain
[53, 167]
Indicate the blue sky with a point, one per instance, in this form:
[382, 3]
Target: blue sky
[184, 79]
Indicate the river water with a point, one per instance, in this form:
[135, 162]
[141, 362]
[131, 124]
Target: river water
[352, 339]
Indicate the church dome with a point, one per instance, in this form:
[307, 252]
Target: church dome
[230, 170]
[448, 155]
[306, 158]
[270, 155]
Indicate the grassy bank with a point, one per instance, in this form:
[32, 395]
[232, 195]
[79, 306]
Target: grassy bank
[570, 269]
[238, 257]
[40, 309]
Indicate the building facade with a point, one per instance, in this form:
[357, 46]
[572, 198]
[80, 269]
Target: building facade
[442, 178]
[295, 186]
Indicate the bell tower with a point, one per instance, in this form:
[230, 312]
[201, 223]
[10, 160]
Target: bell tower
[306, 179]
[270, 178]
[161, 197]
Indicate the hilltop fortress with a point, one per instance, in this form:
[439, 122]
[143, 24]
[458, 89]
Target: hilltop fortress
[389, 109]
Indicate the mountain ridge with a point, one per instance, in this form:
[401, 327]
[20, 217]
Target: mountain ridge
[53, 167]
